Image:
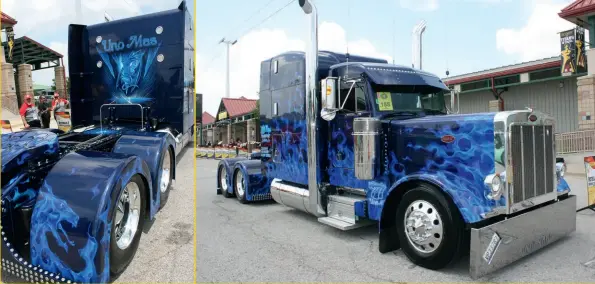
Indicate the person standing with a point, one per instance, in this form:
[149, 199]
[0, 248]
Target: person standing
[44, 108]
[29, 113]
[58, 105]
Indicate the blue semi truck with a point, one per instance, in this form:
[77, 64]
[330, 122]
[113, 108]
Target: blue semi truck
[74, 203]
[357, 141]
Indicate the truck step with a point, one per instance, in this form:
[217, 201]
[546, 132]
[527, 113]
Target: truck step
[342, 212]
[342, 225]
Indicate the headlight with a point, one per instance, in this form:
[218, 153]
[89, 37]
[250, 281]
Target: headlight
[494, 182]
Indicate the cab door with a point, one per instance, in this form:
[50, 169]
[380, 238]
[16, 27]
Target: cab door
[340, 146]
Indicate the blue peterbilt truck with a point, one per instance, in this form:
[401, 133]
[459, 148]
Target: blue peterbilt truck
[356, 141]
[74, 203]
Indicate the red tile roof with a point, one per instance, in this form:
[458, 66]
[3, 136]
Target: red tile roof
[6, 19]
[577, 8]
[238, 106]
[207, 118]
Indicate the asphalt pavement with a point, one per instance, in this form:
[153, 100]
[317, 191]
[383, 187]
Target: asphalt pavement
[165, 253]
[268, 242]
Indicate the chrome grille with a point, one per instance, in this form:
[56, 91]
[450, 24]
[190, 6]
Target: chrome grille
[532, 157]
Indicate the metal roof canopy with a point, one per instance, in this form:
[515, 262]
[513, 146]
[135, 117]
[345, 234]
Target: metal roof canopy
[28, 51]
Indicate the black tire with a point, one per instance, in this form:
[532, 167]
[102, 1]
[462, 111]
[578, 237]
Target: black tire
[121, 258]
[164, 196]
[240, 194]
[452, 241]
[220, 172]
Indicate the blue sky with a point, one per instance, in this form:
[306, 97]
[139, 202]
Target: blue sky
[461, 35]
[46, 21]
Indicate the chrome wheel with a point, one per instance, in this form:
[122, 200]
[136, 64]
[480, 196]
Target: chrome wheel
[127, 215]
[423, 226]
[223, 179]
[165, 172]
[240, 183]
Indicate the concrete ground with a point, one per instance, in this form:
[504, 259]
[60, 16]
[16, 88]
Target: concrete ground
[267, 242]
[165, 253]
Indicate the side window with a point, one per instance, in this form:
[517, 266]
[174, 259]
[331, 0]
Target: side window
[360, 95]
[357, 98]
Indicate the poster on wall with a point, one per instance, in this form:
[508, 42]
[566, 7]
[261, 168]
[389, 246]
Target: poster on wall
[590, 171]
[581, 57]
[10, 40]
[63, 120]
[568, 52]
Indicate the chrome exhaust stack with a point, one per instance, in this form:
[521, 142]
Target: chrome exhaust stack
[311, 109]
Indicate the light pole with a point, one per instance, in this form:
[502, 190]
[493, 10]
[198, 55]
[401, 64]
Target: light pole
[228, 43]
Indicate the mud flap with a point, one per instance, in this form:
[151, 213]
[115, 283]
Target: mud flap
[500, 244]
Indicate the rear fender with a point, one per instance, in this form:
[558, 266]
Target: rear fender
[149, 146]
[228, 164]
[258, 185]
[71, 222]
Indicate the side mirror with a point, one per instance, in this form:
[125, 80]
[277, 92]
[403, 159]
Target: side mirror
[328, 97]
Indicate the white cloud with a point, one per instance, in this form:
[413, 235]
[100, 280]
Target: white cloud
[420, 5]
[40, 18]
[257, 46]
[539, 37]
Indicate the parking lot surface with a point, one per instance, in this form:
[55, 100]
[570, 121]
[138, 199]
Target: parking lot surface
[269, 242]
[165, 252]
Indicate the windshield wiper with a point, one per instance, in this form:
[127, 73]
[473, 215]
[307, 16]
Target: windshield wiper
[433, 111]
[402, 113]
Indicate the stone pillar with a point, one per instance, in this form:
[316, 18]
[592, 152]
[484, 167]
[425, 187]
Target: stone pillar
[228, 133]
[586, 102]
[2, 57]
[215, 135]
[25, 81]
[9, 92]
[250, 133]
[59, 77]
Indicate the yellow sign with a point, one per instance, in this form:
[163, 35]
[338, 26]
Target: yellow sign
[63, 119]
[222, 115]
[590, 170]
[385, 101]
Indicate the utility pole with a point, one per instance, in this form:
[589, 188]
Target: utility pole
[228, 43]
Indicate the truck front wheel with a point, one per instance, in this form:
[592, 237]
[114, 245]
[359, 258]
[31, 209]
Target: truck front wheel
[429, 227]
[127, 222]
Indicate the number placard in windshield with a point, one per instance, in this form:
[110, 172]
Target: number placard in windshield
[385, 101]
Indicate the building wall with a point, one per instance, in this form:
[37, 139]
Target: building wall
[548, 97]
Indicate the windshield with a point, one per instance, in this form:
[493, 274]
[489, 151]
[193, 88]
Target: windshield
[409, 99]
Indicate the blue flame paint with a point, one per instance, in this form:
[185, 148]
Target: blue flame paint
[71, 225]
[20, 147]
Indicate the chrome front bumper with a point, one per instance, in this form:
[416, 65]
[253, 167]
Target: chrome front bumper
[500, 244]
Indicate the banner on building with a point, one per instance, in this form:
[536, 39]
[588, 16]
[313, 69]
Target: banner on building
[63, 120]
[581, 56]
[568, 52]
[10, 41]
[590, 171]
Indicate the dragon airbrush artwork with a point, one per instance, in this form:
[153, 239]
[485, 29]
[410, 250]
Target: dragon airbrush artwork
[129, 69]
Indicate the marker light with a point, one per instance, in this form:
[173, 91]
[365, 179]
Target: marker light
[532, 118]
